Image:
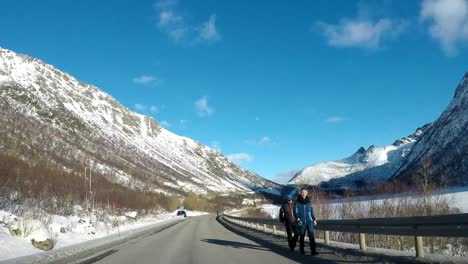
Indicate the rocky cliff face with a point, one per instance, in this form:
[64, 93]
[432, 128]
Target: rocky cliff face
[445, 144]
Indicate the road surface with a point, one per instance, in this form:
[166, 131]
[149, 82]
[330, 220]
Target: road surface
[205, 240]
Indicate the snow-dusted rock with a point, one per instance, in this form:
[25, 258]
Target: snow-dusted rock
[445, 143]
[133, 215]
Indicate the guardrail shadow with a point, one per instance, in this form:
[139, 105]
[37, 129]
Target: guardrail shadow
[234, 244]
[267, 241]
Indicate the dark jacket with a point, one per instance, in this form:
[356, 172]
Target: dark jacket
[303, 210]
[287, 213]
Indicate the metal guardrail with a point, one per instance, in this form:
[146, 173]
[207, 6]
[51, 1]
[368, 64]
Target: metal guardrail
[455, 225]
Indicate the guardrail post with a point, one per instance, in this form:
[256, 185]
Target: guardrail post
[274, 230]
[326, 238]
[362, 242]
[256, 226]
[418, 245]
[264, 228]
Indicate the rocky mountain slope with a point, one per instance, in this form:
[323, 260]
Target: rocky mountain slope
[365, 165]
[49, 116]
[445, 144]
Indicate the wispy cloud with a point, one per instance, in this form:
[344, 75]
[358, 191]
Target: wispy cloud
[175, 25]
[183, 123]
[240, 157]
[203, 108]
[208, 31]
[146, 80]
[335, 119]
[362, 31]
[448, 22]
[153, 109]
[144, 109]
[139, 107]
[260, 141]
[165, 124]
[264, 140]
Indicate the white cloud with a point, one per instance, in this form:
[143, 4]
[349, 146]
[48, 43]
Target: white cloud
[153, 109]
[208, 31]
[145, 109]
[140, 107]
[203, 109]
[364, 31]
[165, 124]
[335, 119]
[175, 25]
[260, 141]
[167, 18]
[448, 22]
[183, 124]
[240, 157]
[145, 80]
[264, 140]
[361, 33]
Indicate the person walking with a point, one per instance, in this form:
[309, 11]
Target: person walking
[305, 220]
[287, 217]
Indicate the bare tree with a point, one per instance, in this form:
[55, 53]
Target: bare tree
[424, 180]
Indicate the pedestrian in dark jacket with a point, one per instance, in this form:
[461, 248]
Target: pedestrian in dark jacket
[287, 217]
[305, 220]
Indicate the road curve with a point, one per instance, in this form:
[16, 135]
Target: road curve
[199, 240]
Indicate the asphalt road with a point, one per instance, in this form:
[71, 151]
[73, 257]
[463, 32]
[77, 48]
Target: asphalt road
[205, 240]
[199, 240]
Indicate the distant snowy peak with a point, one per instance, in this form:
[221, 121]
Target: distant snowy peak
[413, 137]
[381, 161]
[90, 126]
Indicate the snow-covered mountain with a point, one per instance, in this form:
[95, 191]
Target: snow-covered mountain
[365, 165]
[49, 115]
[445, 143]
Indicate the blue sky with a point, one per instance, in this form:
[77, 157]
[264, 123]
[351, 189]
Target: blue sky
[277, 85]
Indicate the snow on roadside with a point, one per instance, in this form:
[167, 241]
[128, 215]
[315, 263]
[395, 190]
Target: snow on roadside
[271, 209]
[68, 230]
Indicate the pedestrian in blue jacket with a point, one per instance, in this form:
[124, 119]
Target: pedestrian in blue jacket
[305, 220]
